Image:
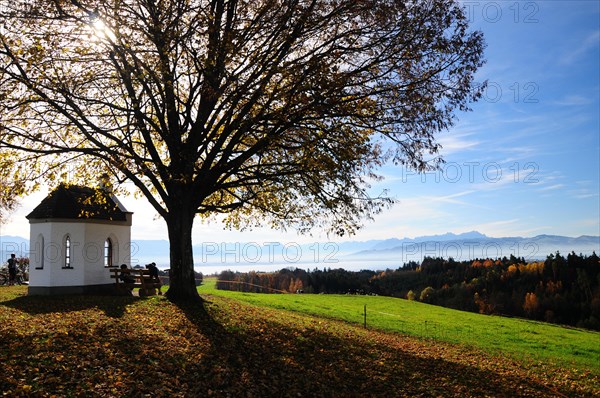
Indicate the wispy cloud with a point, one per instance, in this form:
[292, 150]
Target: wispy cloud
[585, 194]
[589, 42]
[551, 187]
[450, 198]
[523, 151]
[457, 142]
[573, 100]
[585, 189]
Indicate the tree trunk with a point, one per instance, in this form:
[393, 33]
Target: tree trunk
[182, 285]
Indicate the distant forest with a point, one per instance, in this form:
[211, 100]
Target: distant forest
[563, 290]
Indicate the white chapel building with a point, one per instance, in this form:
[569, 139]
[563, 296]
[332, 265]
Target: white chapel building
[76, 234]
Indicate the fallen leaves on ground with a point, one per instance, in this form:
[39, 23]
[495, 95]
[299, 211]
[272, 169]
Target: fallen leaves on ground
[127, 346]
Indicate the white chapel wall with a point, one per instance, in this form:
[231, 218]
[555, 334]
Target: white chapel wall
[47, 267]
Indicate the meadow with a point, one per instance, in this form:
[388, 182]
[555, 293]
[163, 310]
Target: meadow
[519, 338]
[101, 346]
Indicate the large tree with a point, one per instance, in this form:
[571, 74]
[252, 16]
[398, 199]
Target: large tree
[275, 112]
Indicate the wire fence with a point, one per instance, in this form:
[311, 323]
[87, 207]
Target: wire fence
[270, 289]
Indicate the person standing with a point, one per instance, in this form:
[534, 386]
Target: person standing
[12, 269]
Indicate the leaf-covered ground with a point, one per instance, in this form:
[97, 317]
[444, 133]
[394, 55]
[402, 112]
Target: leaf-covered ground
[132, 347]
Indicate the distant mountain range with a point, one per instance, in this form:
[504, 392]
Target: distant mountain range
[474, 244]
[464, 246]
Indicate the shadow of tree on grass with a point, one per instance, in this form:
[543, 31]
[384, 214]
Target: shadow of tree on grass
[261, 356]
[129, 347]
[112, 306]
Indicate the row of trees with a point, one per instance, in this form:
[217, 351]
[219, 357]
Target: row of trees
[297, 280]
[561, 289]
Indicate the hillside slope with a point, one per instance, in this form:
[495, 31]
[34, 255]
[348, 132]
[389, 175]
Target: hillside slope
[126, 346]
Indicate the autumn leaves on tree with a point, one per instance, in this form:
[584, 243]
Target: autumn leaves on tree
[275, 113]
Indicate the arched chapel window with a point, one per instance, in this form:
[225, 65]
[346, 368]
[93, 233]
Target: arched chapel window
[39, 252]
[108, 253]
[68, 252]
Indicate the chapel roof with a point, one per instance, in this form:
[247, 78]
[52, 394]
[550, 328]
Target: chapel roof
[80, 203]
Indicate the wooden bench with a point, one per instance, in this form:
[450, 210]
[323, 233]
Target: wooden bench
[143, 281]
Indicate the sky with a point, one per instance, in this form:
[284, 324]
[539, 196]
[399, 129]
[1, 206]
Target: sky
[524, 162]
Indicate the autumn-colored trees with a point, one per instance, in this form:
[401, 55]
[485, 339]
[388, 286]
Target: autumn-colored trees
[531, 305]
[426, 294]
[561, 290]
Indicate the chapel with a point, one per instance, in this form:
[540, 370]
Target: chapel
[76, 234]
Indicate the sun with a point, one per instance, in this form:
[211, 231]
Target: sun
[102, 31]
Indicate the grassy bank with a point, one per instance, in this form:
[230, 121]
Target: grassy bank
[521, 339]
[87, 346]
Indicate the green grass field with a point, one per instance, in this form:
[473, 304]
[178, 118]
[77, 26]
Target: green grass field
[519, 338]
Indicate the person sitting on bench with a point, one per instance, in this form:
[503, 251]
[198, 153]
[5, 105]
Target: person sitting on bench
[125, 276]
[154, 276]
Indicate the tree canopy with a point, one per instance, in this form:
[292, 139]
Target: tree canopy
[271, 112]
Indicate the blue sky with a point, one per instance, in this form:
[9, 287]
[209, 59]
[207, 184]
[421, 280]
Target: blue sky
[525, 162]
